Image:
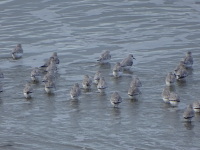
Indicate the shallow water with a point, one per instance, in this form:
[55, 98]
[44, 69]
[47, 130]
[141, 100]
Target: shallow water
[158, 33]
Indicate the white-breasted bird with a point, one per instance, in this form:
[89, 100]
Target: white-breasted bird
[170, 79]
[188, 114]
[115, 99]
[105, 57]
[174, 99]
[49, 86]
[75, 91]
[97, 77]
[127, 62]
[196, 106]
[117, 70]
[27, 90]
[188, 60]
[135, 82]
[166, 94]
[134, 92]
[55, 56]
[35, 74]
[17, 52]
[87, 82]
[102, 85]
[180, 71]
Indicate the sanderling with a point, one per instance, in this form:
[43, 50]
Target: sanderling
[188, 60]
[135, 82]
[196, 106]
[52, 66]
[127, 62]
[75, 91]
[47, 62]
[180, 71]
[174, 99]
[55, 56]
[188, 113]
[181, 74]
[134, 92]
[115, 99]
[105, 57]
[166, 94]
[17, 52]
[27, 90]
[49, 76]
[170, 79]
[117, 70]
[49, 86]
[87, 82]
[102, 85]
[35, 74]
[97, 77]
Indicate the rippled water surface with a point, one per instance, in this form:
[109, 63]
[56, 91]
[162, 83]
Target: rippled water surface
[157, 32]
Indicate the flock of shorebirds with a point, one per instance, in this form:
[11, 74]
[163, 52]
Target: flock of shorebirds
[49, 69]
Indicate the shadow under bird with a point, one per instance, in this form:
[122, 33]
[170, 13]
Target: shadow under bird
[17, 52]
[75, 91]
[115, 99]
[188, 113]
[27, 91]
[105, 57]
[117, 70]
[127, 62]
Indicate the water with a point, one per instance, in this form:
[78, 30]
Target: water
[158, 33]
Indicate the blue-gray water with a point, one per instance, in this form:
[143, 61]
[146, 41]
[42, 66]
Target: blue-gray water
[157, 32]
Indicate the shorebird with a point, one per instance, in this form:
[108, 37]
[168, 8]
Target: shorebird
[166, 94]
[35, 74]
[117, 70]
[102, 85]
[105, 57]
[115, 99]
[196, 106]
[174, 99]
[17, 52]
[188, 113]
[97, 77]
[87, 82]
[127, 62]
[75, 91]
[27, 91]
[188, 60]
[135, 82]
[170, 79]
